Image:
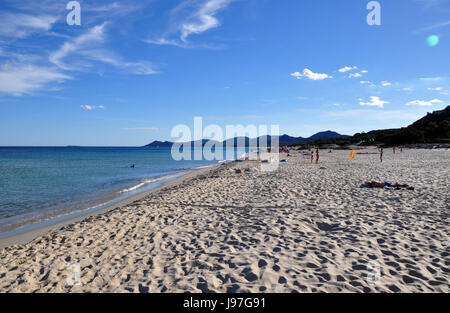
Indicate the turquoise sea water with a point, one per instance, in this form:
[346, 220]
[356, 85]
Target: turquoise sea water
[38, 183]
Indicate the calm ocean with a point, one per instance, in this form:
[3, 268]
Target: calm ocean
[38, 184]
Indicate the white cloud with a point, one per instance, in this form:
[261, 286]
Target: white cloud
[165, 41]
[17, 80]
[105, 7]
[202, 19]
[424, 103]
[385, 83]
[364, 71]
[94, 36]
[310, 75]
[374, 101]
[355, 75]
[19, 25]
[347, 68]
[88, 47]
[367, 82]
[436, 89]
[434, 26]
[92, 107]
[428, 4]
[407, 89]
[430, 78]
[137, 68]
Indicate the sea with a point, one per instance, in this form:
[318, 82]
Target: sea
[41, 186]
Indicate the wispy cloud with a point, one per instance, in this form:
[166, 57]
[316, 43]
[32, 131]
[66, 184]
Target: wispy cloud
[93, 37]
[92, 107]
[436, 89]
[386, 84]
[19, 25]
[18, 80]
[424, 103]
[434, 26]
[310, 75]
[105, 7]
[34, 67]
[165, 41]
[201, 17]
[374, 101]
[366, 82]
[88, 46]
[430, 3]
[204, 19]
[357, 75]
[433, 79]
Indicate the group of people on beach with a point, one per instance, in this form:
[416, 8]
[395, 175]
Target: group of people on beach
[317, 155]
[394, 148]
[380, 150]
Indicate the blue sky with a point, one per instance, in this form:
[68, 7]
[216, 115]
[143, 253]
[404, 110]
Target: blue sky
[134, 69]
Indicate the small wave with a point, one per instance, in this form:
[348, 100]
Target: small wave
[204, 166]
[146, 182]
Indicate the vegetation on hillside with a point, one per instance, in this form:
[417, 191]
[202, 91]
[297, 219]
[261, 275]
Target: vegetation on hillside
[433, 128]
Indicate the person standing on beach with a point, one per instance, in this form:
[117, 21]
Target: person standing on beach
[393, 148]
[312, 156]
[381, 155]
[317, 155]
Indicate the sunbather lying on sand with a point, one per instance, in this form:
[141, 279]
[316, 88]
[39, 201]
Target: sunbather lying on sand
[374, 184]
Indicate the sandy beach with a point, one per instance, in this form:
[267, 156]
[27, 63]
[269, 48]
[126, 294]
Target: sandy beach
[235, 228]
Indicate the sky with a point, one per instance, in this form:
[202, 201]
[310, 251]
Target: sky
[135, 69]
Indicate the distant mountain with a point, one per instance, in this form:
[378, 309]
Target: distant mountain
[287, 140]
[326, 135]
[245, 141]
[432, 128]
[160, 144]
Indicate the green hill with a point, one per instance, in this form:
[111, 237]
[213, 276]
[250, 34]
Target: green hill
[432, 128]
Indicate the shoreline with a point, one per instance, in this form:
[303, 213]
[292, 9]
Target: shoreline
[238, 228]
[19, 237]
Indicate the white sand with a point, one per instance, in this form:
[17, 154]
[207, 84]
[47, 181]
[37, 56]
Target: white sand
[303, 228]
